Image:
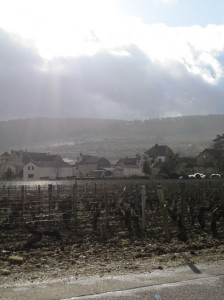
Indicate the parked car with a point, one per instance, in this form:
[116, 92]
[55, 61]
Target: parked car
[191, 176]
[215, 176]
[197, 176]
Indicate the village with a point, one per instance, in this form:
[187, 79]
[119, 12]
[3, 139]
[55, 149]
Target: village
[111, 149]
[56, 228]
[159, 161]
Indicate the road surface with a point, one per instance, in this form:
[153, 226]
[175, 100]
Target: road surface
[205, 281]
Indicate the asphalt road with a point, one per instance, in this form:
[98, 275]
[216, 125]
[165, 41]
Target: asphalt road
[205, 281]
[200, 289]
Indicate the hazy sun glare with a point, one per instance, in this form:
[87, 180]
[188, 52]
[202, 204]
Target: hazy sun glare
[61, 28]
[84, 27]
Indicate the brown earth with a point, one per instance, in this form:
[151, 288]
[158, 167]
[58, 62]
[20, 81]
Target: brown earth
[50, 259]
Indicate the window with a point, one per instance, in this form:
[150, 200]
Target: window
[28, 167]
[32, 167]
[30, 175]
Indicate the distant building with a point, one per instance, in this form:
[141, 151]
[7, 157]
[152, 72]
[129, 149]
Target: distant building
[103, 172]
[159, 153]
[210, 157]
[89, 163]
[51, 167]
[131, 167]
[22, 163]
[188, 165]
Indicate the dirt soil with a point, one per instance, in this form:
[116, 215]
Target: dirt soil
[51, 259]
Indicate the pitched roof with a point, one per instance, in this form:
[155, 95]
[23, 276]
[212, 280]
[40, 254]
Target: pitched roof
[26, 156]
[42, 159]
[41, 156]
[51, 164]
[159, 150]
[37, 156]
[5, 154]
[89, 159]
[124, 162]
[213, 152]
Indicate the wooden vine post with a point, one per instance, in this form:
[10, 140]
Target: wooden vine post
[74, 205]
[137, 200]
[104, 224]
[160, 193]
[50, 194]
[222, 196]
[183, 204]
[23, 200]
[106, 209]
[9, 192]
[143, 192]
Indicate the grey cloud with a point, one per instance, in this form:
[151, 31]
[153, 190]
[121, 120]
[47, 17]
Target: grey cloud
[104, 85]
[19, 76]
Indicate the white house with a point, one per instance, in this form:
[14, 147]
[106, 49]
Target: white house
[131, 167]
[50, 169]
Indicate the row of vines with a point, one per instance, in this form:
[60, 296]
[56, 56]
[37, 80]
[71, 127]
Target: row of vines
[101, 211]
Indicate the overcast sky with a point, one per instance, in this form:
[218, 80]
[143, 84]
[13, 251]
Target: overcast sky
[122, 59]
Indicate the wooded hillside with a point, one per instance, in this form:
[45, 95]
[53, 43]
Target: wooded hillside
[112, 138]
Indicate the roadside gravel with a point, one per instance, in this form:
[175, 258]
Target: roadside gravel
[114, 257]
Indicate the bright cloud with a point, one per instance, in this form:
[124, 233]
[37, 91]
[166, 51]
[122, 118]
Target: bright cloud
[58, 27]
[73, 28]
[90, 58]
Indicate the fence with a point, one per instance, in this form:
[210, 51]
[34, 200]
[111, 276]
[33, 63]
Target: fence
[100, 211]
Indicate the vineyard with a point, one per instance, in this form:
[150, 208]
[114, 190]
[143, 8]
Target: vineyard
[31, 216]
